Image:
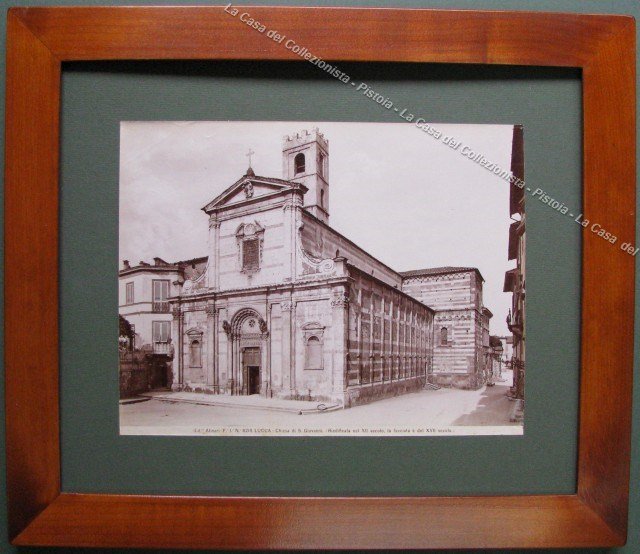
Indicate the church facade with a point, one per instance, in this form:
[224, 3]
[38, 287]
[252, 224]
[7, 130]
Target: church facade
[284, 306]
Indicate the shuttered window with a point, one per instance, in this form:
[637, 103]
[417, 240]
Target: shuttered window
[160, 296]
[160, 290]
[130, 298]
[161, 331]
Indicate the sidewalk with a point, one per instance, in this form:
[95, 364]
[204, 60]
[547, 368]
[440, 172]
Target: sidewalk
[253, 402]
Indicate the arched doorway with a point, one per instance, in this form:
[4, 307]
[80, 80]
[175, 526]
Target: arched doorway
[251, 369]
[248, 337]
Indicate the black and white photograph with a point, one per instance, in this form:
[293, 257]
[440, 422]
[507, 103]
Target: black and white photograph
[321, 278]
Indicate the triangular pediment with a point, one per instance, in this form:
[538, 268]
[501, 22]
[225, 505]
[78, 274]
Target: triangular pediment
[248, 188]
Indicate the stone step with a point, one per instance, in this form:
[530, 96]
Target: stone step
[254, 402]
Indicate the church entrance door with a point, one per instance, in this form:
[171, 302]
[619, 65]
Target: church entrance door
[251, 370]
[254, 379]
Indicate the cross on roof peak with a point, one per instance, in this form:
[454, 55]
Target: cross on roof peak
[249, 154]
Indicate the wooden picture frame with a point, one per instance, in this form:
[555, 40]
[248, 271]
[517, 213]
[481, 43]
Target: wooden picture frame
[40, 39]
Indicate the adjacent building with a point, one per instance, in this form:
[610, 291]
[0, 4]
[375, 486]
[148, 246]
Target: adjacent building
[494, 362]
[461, 322]
[507, 349]
[515, 281]
[285, 306]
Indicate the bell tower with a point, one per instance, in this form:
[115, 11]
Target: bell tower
[305, 159]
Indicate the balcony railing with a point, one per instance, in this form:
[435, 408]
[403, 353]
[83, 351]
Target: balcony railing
[161, 348]
[161, 307]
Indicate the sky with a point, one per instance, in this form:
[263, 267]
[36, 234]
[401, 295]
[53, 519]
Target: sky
[405, 197]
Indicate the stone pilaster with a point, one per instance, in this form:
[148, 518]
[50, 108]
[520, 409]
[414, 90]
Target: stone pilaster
[288, 348]
[212, 358]
[230, 384]
[177, 332]
[214, 253]
[267, 385]
[339, 329]
[292, 222]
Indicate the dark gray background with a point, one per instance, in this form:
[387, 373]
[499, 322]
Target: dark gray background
[97, 96]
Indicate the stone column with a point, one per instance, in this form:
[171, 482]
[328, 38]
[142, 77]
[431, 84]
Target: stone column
[265, 351]
[383, 342]
[359, 359]
[212, 357]
[392, 360]
[288, 357]
[216, 351]
[177, 370]
[292, 220]
[214, 253]
[229, 385]
[340, 330]
[412, 341]
[289, 240]
[237, 364]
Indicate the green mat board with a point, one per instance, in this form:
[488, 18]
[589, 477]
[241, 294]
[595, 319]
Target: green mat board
[97, 96]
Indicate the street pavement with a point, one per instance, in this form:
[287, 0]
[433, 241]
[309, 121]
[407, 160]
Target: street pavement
[405, 414]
